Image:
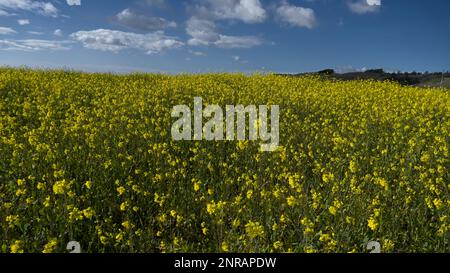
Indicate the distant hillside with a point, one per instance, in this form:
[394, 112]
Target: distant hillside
[412, 78]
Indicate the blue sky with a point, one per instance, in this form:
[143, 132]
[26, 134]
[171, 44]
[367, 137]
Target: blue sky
[176, 36]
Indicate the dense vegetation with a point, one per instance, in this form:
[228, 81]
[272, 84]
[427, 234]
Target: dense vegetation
[427, 79]
[89, 158]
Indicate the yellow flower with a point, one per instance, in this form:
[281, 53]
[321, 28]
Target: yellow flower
[335, 207]
[388, 245]
[126, 225]
[325, 238]
[196, 186]
[176, 241]
[121, 190]
[162, 218]
[104, 240]
[211, 207]
[292, 182]
[291, 201]
[328, 177]
[60, 187]
[353, 166]
[309, 249]
[88, 185]
[124, 206]
[249, 194]
[88, 213]
[13, 220]
[236, 223]
[308, 231]
[277, 245]
[16, 247]
[75, 214]
[350, 220]
[138, 233]
[254, 229]
[20, 182]
[119, 237]
[333, 210]
[47, 201]
[119, 124]
[225, 247]
[50, 247]
[425, 158]
[21, 192]
[438, 203]
[372, 223]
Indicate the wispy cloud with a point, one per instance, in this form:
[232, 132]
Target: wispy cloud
[35, 32]
[296, 16]
[198, 53]
[23, 22]
[6, 30]
[364, 6]
[138, 21]
[4, 13]
[203, 32]
[247, 11]
[115, 41]
[73, 2]
[43, 8]
[58, 32]
[34, 45]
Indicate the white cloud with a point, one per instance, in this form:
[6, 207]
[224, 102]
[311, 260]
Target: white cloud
[4, 13]
[43, 8]
[35, 32]
[204, 33]
[374, 2]
[74, 2]
[6, 30]
[296, 16]
[198, 53]
[237, 41]
[58, 32]
[364, 6]
[33, 45]
[115, 41]
[135, 20]
[248, 11]
[23, 22]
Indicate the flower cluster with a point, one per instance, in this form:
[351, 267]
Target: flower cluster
[90, 158]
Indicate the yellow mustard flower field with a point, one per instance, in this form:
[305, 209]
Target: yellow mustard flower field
[90, 158]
